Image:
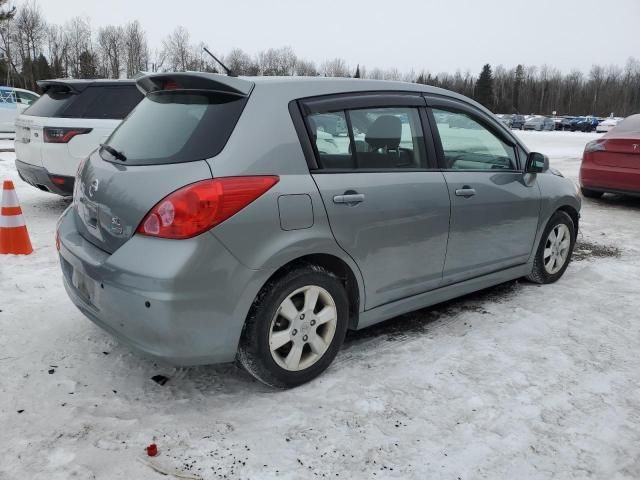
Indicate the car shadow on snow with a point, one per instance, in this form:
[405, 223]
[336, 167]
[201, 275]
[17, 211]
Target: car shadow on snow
[615, 200]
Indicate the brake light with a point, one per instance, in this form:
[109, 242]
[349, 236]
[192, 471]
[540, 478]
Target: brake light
[595, 146]
[198, 207]
[170, 85]
[62, 135]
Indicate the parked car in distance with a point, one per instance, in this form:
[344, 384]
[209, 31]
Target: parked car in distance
[214, 223]
[69, 121]
[512, 120]
[539, 124]
[612, 162]
[583, 124]
[608, 124]
[13, 101]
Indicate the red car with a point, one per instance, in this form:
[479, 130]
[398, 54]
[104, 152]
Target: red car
[612, 163]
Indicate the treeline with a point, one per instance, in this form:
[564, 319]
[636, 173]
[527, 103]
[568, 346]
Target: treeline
[32, 49]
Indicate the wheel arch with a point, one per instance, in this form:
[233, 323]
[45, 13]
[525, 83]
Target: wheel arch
[339, 268]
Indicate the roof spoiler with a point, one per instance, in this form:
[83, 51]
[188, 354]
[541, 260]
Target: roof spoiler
[195, 81]
[75, 88]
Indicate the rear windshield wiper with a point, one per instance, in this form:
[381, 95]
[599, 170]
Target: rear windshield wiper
[118, 155]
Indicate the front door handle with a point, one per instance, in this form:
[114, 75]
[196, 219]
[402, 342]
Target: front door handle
[465, 191]
[350, 199]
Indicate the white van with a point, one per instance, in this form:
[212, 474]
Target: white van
[69, 121]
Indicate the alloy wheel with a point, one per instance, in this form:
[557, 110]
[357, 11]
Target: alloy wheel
[303, 327]
[556, 249]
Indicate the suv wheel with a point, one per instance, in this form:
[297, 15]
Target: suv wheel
[555, 249]
[295, 328]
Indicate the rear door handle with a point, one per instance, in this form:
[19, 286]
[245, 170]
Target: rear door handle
[465, 191]
[351, 198]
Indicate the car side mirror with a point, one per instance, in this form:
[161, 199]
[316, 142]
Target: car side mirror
[536, 163]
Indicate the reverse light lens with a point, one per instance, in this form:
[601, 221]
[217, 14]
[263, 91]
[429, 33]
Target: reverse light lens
[62, 135]
[198, 207]
[595, 146]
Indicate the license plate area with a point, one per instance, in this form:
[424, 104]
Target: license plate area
[85, 286]
[24, 135]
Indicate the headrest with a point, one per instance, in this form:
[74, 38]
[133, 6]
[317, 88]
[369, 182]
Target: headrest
[385, 132]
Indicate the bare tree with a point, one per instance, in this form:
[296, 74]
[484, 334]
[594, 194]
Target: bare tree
[335, 68]
[30, 33]
[241, 63]
[306, 68]
[111, 43]
[80, 51]
[178, 50]
[58, 48]
[277, 61]
[136, 50]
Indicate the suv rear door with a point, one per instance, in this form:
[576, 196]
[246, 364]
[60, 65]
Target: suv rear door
[388, 206]
[494, 206]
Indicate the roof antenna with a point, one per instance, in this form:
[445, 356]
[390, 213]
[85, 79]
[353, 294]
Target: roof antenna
[226, 69]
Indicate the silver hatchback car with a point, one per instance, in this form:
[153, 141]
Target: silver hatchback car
[221, 221]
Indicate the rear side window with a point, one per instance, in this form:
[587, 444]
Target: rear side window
[52, 103]
[385, 138]
[176, 126]
[97, 102]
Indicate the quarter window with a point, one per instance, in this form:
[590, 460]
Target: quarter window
[468, 145]
[368, 139]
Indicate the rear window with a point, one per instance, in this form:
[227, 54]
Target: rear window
[97, 102]
[175, 127]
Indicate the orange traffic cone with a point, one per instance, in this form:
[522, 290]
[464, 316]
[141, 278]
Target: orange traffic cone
[14, 237]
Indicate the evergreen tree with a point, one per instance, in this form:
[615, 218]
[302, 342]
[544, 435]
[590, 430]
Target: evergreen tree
[88, 65]
[517, 85]
[484, 87]
[357, 75]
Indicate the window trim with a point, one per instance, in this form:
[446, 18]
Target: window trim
[479, 117]
[301, 108]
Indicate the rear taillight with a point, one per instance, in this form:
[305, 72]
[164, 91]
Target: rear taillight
[62, 135]
[595, 146]
[201, 206]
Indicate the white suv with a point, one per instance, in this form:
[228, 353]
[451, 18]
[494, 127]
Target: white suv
[69, 121]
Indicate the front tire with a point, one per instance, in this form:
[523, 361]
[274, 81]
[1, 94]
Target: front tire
[295, 328]
[554, 252]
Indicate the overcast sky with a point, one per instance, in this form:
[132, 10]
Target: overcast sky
[437, 35]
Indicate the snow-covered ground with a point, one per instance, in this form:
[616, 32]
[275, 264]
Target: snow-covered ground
[519, 381]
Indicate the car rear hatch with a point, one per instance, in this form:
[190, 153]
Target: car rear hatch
[162, 146]
[619, 152]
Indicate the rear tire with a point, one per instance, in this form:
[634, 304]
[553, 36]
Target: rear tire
[287, 340]
[590, 193]
[553, 257]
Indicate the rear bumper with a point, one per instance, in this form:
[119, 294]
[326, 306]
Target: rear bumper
[181, 301]
[610, 179]
[40, 178]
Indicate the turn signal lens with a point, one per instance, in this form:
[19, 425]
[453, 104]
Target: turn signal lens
[198, 207]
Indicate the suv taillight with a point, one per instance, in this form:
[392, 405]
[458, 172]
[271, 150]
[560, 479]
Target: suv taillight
[198, 207]
[62, 135]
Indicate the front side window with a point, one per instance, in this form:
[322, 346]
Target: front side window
[468, 145]
[385, 138]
